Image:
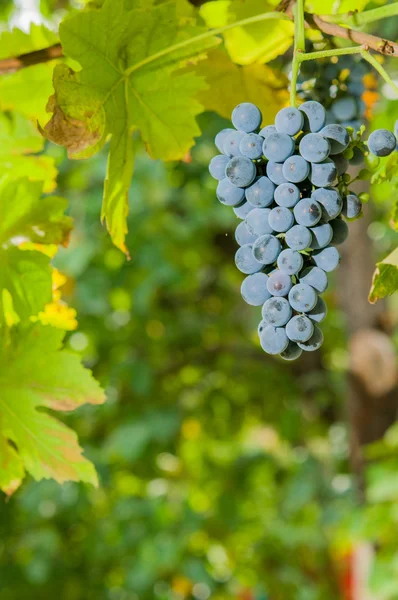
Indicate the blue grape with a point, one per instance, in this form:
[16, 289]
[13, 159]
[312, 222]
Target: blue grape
[280, 219]
[290, 261]
[274, 172]
[298, 237]
[231, 144]
[266, 249]
[315, 277]
[295, 169]
[217, 166]
[323, 174]
[302, 297]
[357, 73]
[276, 311]
[299, 329]
[246, 117]
[240, 171]
[251, 145]
[356, 88]
[314, 115]
[307, 212]
[338, 137]
[289, 120]
[314, 148]
[321, 236]
[229, 194]
[279, 283]
[344, 109]
[266, 131]
[246, 262]
[243, 235]
[221, 137]
[330, 202]
[292, 352]
[352, 206]
[254, 289]
[340, 232]
[243, 209]
[278, 147]
[273, 340]
[319, 312]
[257, 221]
[341, 163]
[314, 343]
[261, 193]
[327, 259]
[382, 142]
[287, 194]
[261, 326]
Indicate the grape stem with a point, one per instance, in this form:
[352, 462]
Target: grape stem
[299, 47]
[379, 68]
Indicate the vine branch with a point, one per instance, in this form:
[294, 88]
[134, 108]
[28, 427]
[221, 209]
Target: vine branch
[10, 65]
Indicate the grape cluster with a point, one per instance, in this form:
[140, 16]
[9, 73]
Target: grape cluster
[287, 183]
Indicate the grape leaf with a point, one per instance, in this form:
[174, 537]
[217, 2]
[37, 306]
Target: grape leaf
[385, 278]
[229, 84]
[35, 373]
[129, 80]
[260, 42]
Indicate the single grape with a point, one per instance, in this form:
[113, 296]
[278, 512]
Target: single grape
[319, 312]
[314, 148]
[338, 138]
[251, 145]
[273, 340]
[232, 142]
[298, 237]
[314, 343]
[341, 163]
[321, 236]
[261, 326]
[276, 311]
[299, 329]
[315, 277]
[279, 283]
[289, 120]
[302, 297]
[314, 115]
[217, 166]
[243, 235]
[358, 72]
[280, 219]
[229, 194]
[266, 249]
[307, 212]
[330, 202]
[340, 232]
[344, 109]
[261, 193]
[290, 261]
[352, 206]
[382, 142]
[243, 209]
[327, 259]
[240, 171]
[254, 289]
[287, 194]
[274, 172]
[292, 352]
[266, 131]
[257, 222]
[295, 169]
[246, 262]
[246, 117]
[323, 174]
[278, 147]
[356, 88]
[221, 137]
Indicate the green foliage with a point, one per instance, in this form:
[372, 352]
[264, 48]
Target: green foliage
[385, 279]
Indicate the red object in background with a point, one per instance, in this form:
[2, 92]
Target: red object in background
[347, 576]
[246, 595]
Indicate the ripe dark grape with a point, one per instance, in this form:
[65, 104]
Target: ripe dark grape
[295, 169]
[382, 142]
[278, 147]
[289, 120]
[254, 289]
[240, 171]
[246, 117]
[314, 147]
[260, 193]
[276, 311]
[299, 329]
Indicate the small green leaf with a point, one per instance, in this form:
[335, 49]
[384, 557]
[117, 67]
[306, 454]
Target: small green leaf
[385, 278]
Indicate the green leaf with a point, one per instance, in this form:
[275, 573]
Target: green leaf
[260, 42]
[385, 278]
[36, 373]
[16, 41]
[130, 79]
[230, 84]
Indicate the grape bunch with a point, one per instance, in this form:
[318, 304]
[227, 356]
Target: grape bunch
[287, 183]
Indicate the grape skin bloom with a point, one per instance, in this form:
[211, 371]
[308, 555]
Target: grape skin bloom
[254, 289]
[295, 169]
[307, 212]
[281, 219]
[261, 193]
[314, 148]
[276, 311]
[299, 329]
[289, 120]
[279, 284]
[240, 171]
[278, 147]
[274, 340]
[302, 297]
[246, 117]
[266, 249]
[246, 262]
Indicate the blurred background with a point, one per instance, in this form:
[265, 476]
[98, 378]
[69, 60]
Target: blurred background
[224, 474]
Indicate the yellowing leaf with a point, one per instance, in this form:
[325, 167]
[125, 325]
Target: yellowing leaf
[385, 278]
[259, 42]
[229, 84]
[129, 80]
[27, 91]
[333, 6]
[36, 373]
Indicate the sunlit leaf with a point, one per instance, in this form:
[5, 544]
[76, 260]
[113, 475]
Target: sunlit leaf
[385, 278]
